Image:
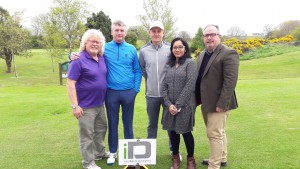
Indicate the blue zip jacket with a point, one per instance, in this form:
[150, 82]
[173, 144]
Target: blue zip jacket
[123, 68]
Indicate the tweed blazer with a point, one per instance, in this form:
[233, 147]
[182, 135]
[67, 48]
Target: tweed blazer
[217, 88]
[178, 89]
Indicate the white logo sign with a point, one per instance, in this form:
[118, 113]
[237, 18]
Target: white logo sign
[137, 151]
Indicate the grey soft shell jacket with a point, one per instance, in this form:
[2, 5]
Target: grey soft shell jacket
[153, 60]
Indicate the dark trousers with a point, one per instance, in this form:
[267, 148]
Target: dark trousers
[114, 99]
[188, 140]
[153, 108]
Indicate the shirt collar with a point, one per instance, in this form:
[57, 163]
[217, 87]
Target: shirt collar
[206, 51]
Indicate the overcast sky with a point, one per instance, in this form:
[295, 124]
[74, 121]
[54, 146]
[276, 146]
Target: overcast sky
[250, 15]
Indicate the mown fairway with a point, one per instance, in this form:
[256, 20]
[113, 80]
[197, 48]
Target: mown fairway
[37, 129]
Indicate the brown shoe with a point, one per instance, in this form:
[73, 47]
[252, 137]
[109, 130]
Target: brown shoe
[191, 164]
[175, 161]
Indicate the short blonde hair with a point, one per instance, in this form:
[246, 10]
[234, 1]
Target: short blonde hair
[92, 33]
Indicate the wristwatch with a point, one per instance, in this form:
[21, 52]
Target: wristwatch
[74, 106]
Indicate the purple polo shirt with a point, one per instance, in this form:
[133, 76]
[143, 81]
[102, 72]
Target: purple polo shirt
[90, 77]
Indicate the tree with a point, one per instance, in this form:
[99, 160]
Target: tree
[185, 35]
[37, 25]
[141, 32]
[131, 37]
[158, 10]
[267, 31]
[62, 27]
[13, 38]
[37, 30]
[235, 31]
[197, 41]
[53, 39]
[102, 22]
[296, 33]
[69, 16]
[286, 28]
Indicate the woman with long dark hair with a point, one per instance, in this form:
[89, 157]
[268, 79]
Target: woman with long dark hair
[179, 98]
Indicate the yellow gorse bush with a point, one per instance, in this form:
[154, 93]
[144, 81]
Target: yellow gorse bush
[197, 52]
[250, 44]
[287, 38]
[242, 46]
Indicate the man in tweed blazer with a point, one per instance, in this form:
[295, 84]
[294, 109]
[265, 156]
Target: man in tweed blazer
[215, 91]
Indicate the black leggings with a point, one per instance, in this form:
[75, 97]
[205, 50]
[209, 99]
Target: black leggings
[188, 140]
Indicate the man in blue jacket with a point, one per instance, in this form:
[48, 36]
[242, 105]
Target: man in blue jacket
[123, 83]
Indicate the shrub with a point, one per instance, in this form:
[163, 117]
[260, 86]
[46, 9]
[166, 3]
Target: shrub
[253, 43]
[296, 33]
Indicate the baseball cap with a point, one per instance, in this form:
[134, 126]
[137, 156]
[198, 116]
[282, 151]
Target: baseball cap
[157, 24]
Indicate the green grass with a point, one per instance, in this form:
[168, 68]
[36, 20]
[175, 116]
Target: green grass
[37, 129]
[277, 67]
[269, 50]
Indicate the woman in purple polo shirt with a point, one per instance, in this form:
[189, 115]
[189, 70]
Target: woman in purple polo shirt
[86, 86]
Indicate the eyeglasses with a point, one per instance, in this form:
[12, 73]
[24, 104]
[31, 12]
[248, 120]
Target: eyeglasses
[94, 42]
[178, 47]
[212, 35]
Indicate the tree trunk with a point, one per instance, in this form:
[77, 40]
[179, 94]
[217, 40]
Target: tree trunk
[15, 66]
[8, 59]
[52, 61]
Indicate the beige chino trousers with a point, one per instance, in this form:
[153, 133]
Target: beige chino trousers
[215, 129]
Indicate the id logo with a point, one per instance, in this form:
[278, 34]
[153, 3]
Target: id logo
[129, 151]
[140, 151]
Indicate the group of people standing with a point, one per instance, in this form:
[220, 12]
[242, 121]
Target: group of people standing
[110, 73]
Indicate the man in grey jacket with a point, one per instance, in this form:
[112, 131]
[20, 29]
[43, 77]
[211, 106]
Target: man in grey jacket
[153, 59]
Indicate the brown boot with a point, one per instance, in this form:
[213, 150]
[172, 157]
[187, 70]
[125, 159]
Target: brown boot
[175, 161]
[191, 164]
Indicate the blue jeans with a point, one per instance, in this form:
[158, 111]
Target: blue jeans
[153, 109]
[114, 99]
